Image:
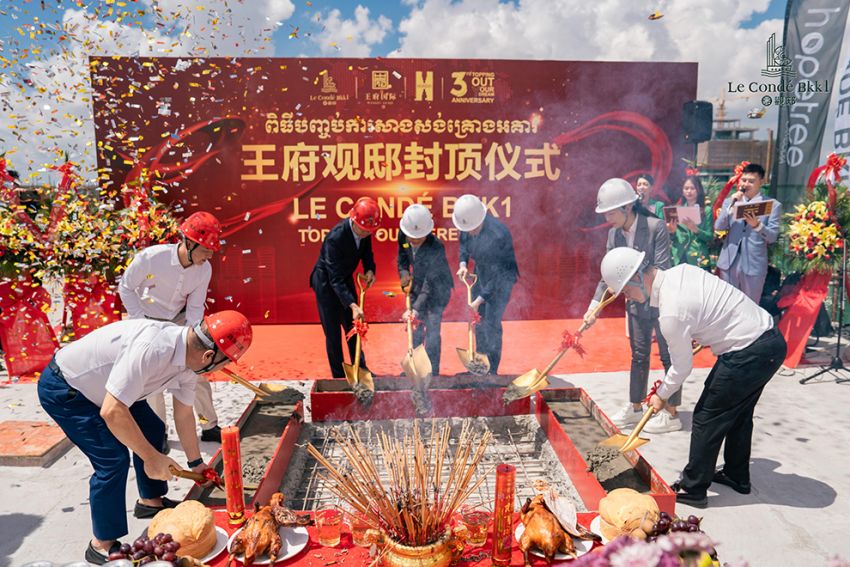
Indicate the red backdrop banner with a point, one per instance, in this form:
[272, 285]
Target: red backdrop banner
[279, 149]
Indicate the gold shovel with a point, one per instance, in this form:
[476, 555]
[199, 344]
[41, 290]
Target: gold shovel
[239, 380]
[416, 364]
[631, 441]
[475, 362]
[534, 380]
[360, 379]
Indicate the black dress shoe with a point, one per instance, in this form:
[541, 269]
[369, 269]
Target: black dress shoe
[690, 498]
[212, 434]
[739, 487]
[145, 511]
[98, 557]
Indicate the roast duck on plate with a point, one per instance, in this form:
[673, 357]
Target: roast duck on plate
[261, 536]
[550, 524]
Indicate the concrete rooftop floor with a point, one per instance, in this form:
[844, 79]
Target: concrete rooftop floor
[798, 513]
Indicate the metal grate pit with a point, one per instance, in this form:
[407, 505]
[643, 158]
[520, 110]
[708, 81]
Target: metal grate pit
[517, 440]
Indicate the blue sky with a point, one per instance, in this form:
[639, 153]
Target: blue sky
[15, 13]
[45, 44]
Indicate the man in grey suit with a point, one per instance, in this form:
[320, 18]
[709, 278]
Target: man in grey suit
[743, 259]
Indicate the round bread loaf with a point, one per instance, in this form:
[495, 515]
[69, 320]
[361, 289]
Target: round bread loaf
[624, 510]
[191, 524]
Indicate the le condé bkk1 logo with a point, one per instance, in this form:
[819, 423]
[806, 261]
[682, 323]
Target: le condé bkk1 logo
[787, 91]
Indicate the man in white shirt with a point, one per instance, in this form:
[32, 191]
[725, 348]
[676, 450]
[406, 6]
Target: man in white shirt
[695, 305]
[169, 282]
[95, 389]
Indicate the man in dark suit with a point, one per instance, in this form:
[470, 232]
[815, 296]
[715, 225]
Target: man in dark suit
[422, 264]
[488, 242]
[346, 245]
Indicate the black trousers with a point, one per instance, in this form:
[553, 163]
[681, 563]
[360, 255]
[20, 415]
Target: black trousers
[488, 333]
[333, 315]
[725, 411]
[428, 331]
[640, 340]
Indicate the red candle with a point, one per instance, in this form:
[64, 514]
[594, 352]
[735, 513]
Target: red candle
[233, 491]
[503, 515]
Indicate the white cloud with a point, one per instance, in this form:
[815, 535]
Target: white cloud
[48, 110]
[705, 31]
[351, 37]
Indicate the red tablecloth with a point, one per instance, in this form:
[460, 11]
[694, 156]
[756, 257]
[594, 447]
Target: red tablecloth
[347, 554]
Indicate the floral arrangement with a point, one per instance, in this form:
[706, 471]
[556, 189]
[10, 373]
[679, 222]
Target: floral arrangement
[676, 549]
[814, 238]
[95, 238]
[20, 249]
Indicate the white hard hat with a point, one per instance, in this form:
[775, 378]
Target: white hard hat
[619, 265]
[469, 213]
[613, 194]
[416, 222]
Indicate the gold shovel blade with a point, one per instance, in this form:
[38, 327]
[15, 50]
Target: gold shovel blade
[350, 374]
[416, 363]
[525, 385]
[619, 441]
[475, 362]
[363, 376]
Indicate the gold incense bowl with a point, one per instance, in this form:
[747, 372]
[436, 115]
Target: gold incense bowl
[441, 553]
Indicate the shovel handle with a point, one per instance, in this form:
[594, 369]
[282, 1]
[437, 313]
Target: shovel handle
[406, 290]
[239, 380]
[191, 475]
[638, 428]
[607, 298]
[469, 281]
[362, 285]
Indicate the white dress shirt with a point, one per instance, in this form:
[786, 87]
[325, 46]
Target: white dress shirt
[357, 239]
[156, 286]
[693, 304]
[131, 360]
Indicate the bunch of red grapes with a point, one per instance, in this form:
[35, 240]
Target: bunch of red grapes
[666, 524]
[145, 550]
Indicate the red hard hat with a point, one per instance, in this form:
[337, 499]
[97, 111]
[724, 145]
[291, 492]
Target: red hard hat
[366, 214]
[203, 228]
[231, 332]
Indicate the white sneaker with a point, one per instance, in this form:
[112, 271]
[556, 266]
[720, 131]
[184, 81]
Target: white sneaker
[627, 416]
[663, 422]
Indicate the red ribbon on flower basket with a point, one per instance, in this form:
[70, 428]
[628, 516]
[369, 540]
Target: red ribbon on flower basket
[360, 328]
[831, 172]
[28, 341]
[691, 171]
[733, 182]
[803, 303]
[801, 311]
[64, 190]
[93, 302]
[570, 340]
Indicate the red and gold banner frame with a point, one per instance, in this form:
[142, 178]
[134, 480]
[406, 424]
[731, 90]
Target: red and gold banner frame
[280, 148]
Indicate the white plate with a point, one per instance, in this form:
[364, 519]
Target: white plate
[220, 544]
[596, 527]
[582, 546]
[294, 540]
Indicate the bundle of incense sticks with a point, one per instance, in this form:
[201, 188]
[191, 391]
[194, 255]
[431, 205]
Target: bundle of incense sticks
[425, 487]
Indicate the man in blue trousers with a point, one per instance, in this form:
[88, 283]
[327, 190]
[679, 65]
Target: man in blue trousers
[95, 389]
